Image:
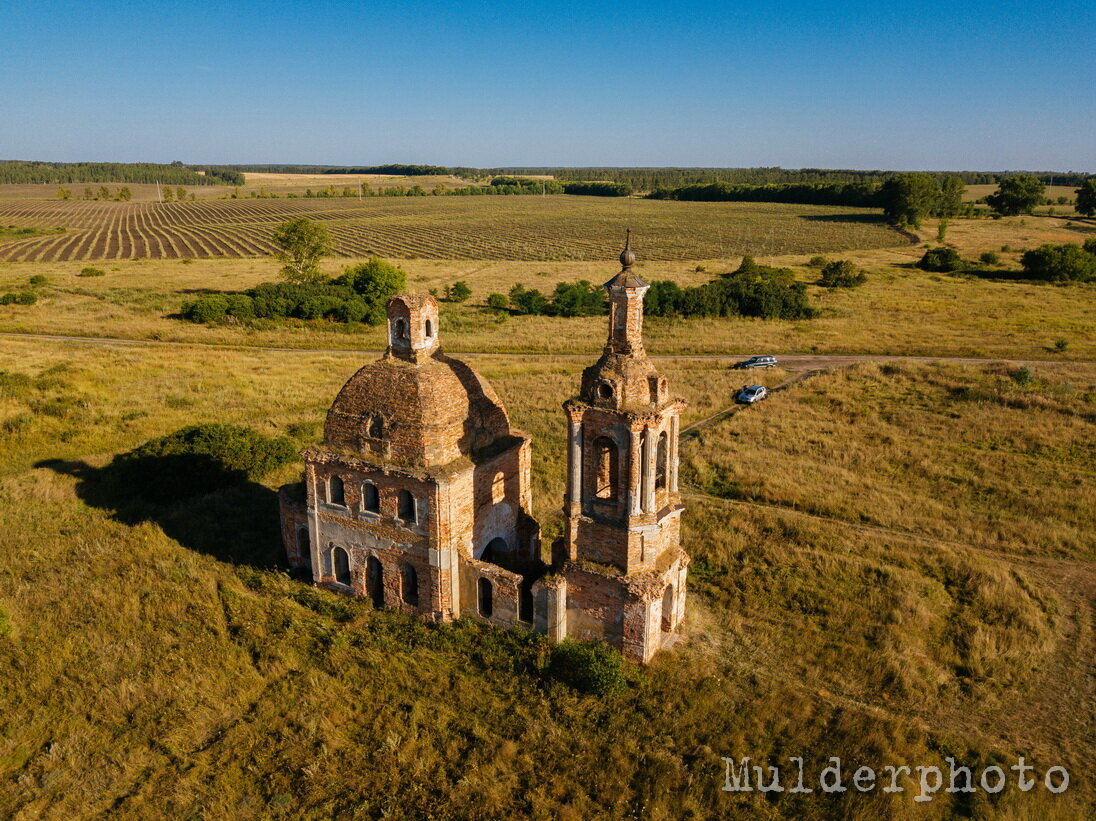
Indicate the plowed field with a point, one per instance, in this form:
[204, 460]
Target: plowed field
[487, 228]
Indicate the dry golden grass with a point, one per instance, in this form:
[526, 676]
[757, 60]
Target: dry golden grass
[1021, 478]
[167, 668]
[901, 309]
[897, 568]
[976, 192]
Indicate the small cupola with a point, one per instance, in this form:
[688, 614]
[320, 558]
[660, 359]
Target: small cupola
[412, 326]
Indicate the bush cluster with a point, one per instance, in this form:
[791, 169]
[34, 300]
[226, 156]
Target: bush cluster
[20, 298]
[92, 272]
[597, 188]
[752, 290]
[940, 260]
[1062, 263]
[589, 666]
[842, 274]
[359, 295]
[580, 298]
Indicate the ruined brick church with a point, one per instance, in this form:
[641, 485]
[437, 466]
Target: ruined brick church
[419, 497]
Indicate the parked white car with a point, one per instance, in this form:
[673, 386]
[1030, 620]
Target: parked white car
[750, 394]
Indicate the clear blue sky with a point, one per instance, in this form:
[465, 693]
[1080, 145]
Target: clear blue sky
[990, 85]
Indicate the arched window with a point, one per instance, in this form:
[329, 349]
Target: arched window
[605, 390]
[605, 452]
[340, 559]
[371, 498]
[374, 581]
[376, 427]
[336, 495]
[494, 548]
[429, 329]
[485, 592]
[407, 507]
[668, 608]
[409, 585]
[660, 461]
[399, 328]
[498, 488]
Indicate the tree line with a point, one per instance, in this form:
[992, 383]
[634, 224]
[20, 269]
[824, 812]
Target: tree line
[26, 173]
[856, 194]
[648, 179]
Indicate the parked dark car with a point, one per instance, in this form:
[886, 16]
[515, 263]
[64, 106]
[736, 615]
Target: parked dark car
[755, 362]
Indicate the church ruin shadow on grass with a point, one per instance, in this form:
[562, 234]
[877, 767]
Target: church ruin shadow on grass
[224, 516]
[419, 496]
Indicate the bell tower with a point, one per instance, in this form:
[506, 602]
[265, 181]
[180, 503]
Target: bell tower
[623, 507]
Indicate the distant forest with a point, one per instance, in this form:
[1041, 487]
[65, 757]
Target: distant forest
[650, 179]
[817, 185]
[56, 173]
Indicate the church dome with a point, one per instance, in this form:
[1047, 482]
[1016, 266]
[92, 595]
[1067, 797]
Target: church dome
[416, 414]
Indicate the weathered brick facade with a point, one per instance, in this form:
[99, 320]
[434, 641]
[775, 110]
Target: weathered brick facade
[419, 496]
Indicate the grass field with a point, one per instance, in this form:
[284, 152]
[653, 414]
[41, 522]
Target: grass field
[901, 309]
[884, 593]
[892, 562]
[463, 228]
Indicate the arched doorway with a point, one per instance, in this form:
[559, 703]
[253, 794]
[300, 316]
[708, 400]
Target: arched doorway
[341, 561]
[374, 581]
[486, 603]
[668, 608]
[495, 549]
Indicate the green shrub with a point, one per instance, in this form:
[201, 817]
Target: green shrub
[240, 306]
[940, 260]
[989, 258]
[199, 459]
[1022, 376]
[374, 281]
[352, 310]
[92, 272]
[817, 262]
[209, 308]
[842, 274]
[498, 302]
[38, 279]
[1090, 245]
[1060, 263]
[21, 298]
[458, 291]
[589, 666]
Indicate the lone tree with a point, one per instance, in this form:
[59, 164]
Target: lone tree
[1086, 198]
[1018, 194]
[950, 202]
[458, 291]
[907, 198]
[302, 243]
